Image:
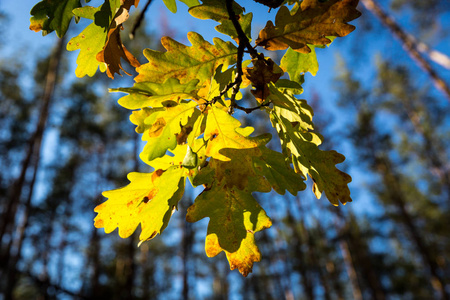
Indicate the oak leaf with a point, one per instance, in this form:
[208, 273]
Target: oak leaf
[293, 121]
[272, 165]
[149, 200]
[172, 5]
[138, 117]
[51, 16]
[164, 124]
[235, 216]
[311, 24]
[99, 43]
[145, 94]
[91, 40]
[296, 64]
[217, 11]
[223, 131]
[198, 61]
[262, 73]
[114, 50]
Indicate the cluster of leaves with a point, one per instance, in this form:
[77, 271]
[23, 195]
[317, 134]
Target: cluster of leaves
[183, 103]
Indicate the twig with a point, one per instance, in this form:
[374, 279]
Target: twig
[244, 44]
[238, 78]
[410, 45]
[249, 110]
[139, 20]
[241, 35]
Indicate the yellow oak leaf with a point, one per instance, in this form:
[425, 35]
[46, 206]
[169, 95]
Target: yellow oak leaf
[149, 200]
[241, 259]
[222, 132]
[165, 126]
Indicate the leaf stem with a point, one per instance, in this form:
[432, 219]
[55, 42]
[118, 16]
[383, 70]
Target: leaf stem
[249, 110]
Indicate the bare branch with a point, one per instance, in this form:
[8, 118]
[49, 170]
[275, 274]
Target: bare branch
[249, 110]
[139, 20]
[409, 44]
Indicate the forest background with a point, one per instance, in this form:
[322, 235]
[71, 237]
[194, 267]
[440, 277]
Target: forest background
[381, 100]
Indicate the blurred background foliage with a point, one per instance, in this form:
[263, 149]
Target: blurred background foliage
[63, 141]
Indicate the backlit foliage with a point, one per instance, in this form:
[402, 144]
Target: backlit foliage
[183, 104]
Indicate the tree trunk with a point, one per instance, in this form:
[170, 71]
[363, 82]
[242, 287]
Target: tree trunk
[34, 145]
[435, 154]
[391, 180]
[351, 271]
[362, 258]
[32, 159]
[13, 258]
[186, 254]
[409, 44]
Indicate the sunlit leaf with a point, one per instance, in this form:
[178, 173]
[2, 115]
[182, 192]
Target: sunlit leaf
[100, 44]
[221, 134]
[302, 147]
[309, 25]
[296, 64]
[91, 40]
[51, 16]
[149, 200]
[148, 94]
[198, 61]
[164, 126]
[216, 10]
[235, 216]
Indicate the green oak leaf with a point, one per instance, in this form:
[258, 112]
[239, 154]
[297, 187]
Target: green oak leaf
[199, 61]
[171, 5]
[302, 147]
[145, 94]
[272, 165]
[235, 216]
[292, 109]
[49, 16]
[296, 64]
[289, 86]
